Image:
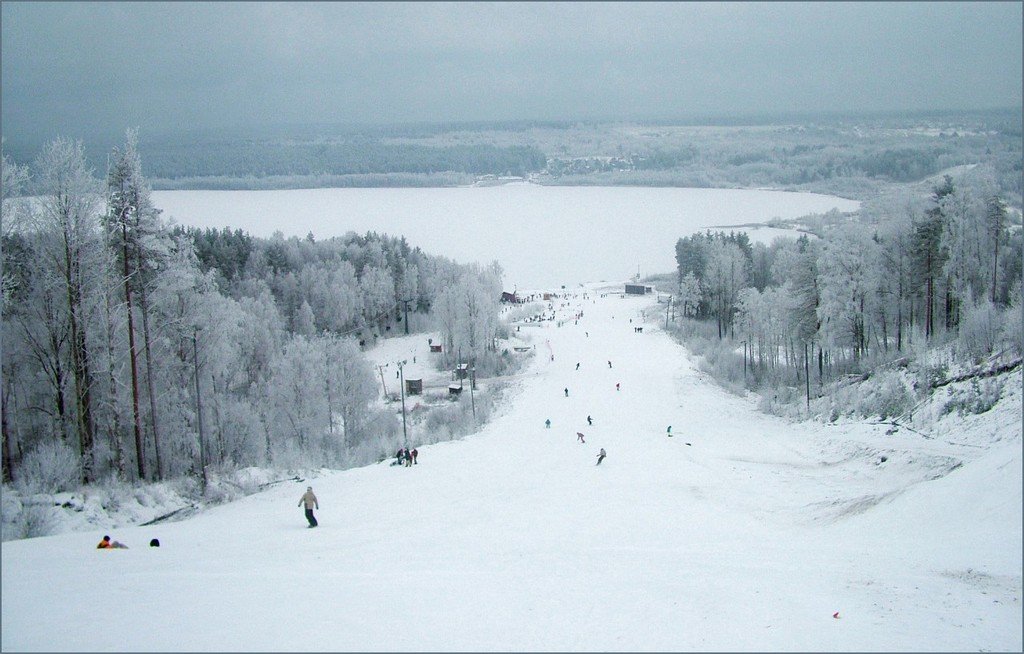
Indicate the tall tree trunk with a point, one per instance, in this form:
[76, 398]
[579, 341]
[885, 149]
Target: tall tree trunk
[199, 411]
[154, 418]
[115, 427]
[5, 434]
[80, 364]
[929, 301]
[140, 453]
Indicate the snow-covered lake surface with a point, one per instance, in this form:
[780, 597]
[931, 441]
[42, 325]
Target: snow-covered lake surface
[740, 532]
[580, 234]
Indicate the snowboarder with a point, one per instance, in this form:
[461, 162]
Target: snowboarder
[309, 499]
[579, 437]
[600, 456]
[669, 430]
[616, 385]
[589, 421]
[577, 365]
[414, 453]
[567, 392]
[547, 423]
[609, 364]
[107, 544]
[398, 457]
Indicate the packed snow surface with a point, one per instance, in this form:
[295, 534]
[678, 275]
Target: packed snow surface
[581, 233]
[740, 531]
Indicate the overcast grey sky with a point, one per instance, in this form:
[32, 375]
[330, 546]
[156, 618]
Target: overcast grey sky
[71, 68]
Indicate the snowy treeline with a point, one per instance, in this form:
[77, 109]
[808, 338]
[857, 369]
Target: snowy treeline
[135, 351]
[946, 269]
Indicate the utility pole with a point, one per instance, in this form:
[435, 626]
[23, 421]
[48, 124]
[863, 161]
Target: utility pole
[666, 310]
[380, 369]
[405, 432]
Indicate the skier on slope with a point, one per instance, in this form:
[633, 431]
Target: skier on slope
[107, 544]
[309, 499]
[600, 456]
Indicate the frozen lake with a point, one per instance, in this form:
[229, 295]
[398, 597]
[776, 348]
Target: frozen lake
[543, 236]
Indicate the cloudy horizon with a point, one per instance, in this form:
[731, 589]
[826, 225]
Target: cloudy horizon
[79, 68]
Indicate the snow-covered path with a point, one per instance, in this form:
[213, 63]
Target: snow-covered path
[740, 532]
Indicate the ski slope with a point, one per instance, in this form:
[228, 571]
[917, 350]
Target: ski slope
[740, 532]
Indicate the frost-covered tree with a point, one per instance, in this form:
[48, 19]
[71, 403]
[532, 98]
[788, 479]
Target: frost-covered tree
[963, 241]
[378, 292]
[297, 397]
[928, 256]
[13, 213]
[137, 237]
[68, 219]
[725, 274]
[351, 387]
[995, 222]
[689, 294]
[848, 279]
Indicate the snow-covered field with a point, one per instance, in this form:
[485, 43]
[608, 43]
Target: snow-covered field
[739, 532]
[580, 234]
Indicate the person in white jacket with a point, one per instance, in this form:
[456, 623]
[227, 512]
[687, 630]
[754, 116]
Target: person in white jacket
[309, 499]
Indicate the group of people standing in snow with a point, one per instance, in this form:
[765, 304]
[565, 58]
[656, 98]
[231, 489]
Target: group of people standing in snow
[406, 457]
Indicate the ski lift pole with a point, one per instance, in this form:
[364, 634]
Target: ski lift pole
[405, 432]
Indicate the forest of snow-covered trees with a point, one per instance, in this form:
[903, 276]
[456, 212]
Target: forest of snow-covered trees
[134, 351]
[941, 271]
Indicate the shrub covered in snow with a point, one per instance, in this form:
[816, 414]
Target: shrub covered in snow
[980, 331]
[978, 396]
[49, 467]
[886, 395]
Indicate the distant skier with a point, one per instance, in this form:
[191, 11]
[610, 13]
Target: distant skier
[414, 453]
[669, 432]
[616, 385]
[309, 499]
[579, 437]
[600, 457]
[547, 423]
[589, 421]
[567, 392]
[609, 364]
[577, 365]
[408, 458]
[107, 544]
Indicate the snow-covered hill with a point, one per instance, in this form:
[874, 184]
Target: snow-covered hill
[739, 532]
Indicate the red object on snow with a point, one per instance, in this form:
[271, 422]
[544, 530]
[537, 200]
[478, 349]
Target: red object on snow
[836, 615]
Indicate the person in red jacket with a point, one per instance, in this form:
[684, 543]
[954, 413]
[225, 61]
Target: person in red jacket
[414, 453]
[107, 544]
